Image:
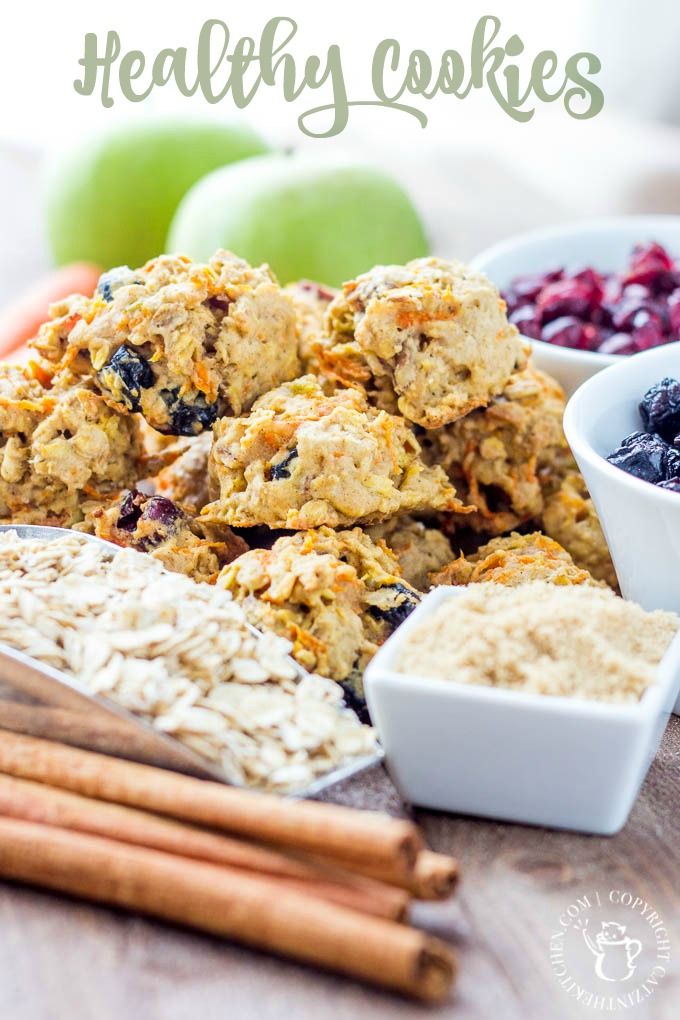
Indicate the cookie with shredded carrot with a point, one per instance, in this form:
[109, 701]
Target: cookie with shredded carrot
[500, 457]
[58, 449]
[421, 549]
[302, 459]
[570, 517]
[182, 344]
[185, 480]
[311, 301]
[335, 594]
[515, 560]
[430, 340]
[159, 527]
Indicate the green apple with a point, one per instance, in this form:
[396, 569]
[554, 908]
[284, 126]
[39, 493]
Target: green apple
[322, 219]
[110, 199]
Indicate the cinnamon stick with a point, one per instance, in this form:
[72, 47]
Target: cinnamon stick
[251, 910]
[360, 836]
[68, 727]
[433, 876]
[36, 802]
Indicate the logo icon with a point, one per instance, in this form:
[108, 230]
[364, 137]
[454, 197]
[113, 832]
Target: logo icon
[614, 951]
[610, 950]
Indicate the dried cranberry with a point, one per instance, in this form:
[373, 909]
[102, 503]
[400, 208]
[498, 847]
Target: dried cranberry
[566, 297]
[647, 331]
[317, 290]
[617, 343]
[130, 510]
[613, 290]
[527, 321]
[568, 331]
[591, 278]
[611, 313]
[527, 287]
[624, 313]
[651, 266]
[647, 457]
[660, 409]
[673, 307]
[161, 510]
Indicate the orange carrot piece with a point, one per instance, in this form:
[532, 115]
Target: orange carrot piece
[22, 317]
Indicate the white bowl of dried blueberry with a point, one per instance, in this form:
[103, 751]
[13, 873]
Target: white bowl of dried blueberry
[590, 293]
[623, 426]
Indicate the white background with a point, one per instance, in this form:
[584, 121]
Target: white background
[476, 175]
[41, 43]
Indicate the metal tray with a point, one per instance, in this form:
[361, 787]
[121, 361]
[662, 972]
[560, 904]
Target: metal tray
[56, 706]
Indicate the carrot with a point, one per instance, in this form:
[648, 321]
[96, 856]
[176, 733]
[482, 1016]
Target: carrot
[21, 318]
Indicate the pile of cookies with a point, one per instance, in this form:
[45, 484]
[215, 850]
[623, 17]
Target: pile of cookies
[324, 456]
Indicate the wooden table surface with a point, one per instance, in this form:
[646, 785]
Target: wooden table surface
[64, 960]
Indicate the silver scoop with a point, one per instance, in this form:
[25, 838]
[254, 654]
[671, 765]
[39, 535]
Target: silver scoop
[56, 706]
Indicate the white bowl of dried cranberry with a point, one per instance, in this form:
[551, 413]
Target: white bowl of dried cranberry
[588, 294]
[637, 492]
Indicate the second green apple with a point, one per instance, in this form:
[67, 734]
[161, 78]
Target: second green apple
[307, 217]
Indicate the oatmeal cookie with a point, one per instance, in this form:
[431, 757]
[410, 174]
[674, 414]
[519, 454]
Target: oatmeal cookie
[185, 480]
[430, 339]
[515, 560]
[302, 459]
[58, 449]
[156, 525]
[569, 516]
[311, 302]
[336, 595]
[183, 344]
[420, 550]
[499, 458]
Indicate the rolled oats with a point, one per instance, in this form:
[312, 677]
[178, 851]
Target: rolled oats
[178, 654]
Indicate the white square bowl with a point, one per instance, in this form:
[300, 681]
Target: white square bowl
[567, 763]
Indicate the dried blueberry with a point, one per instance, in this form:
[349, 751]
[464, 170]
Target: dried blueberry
[187, 419]
[354, 696]
[672, 484]
[282, 468]
[660, 409]
[113, 280]
[398, 604]
[647, 457]
[125, 376]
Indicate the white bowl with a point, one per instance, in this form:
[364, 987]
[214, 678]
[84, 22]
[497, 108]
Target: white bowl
[605, 244]
[641, 522]
[538, 759]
